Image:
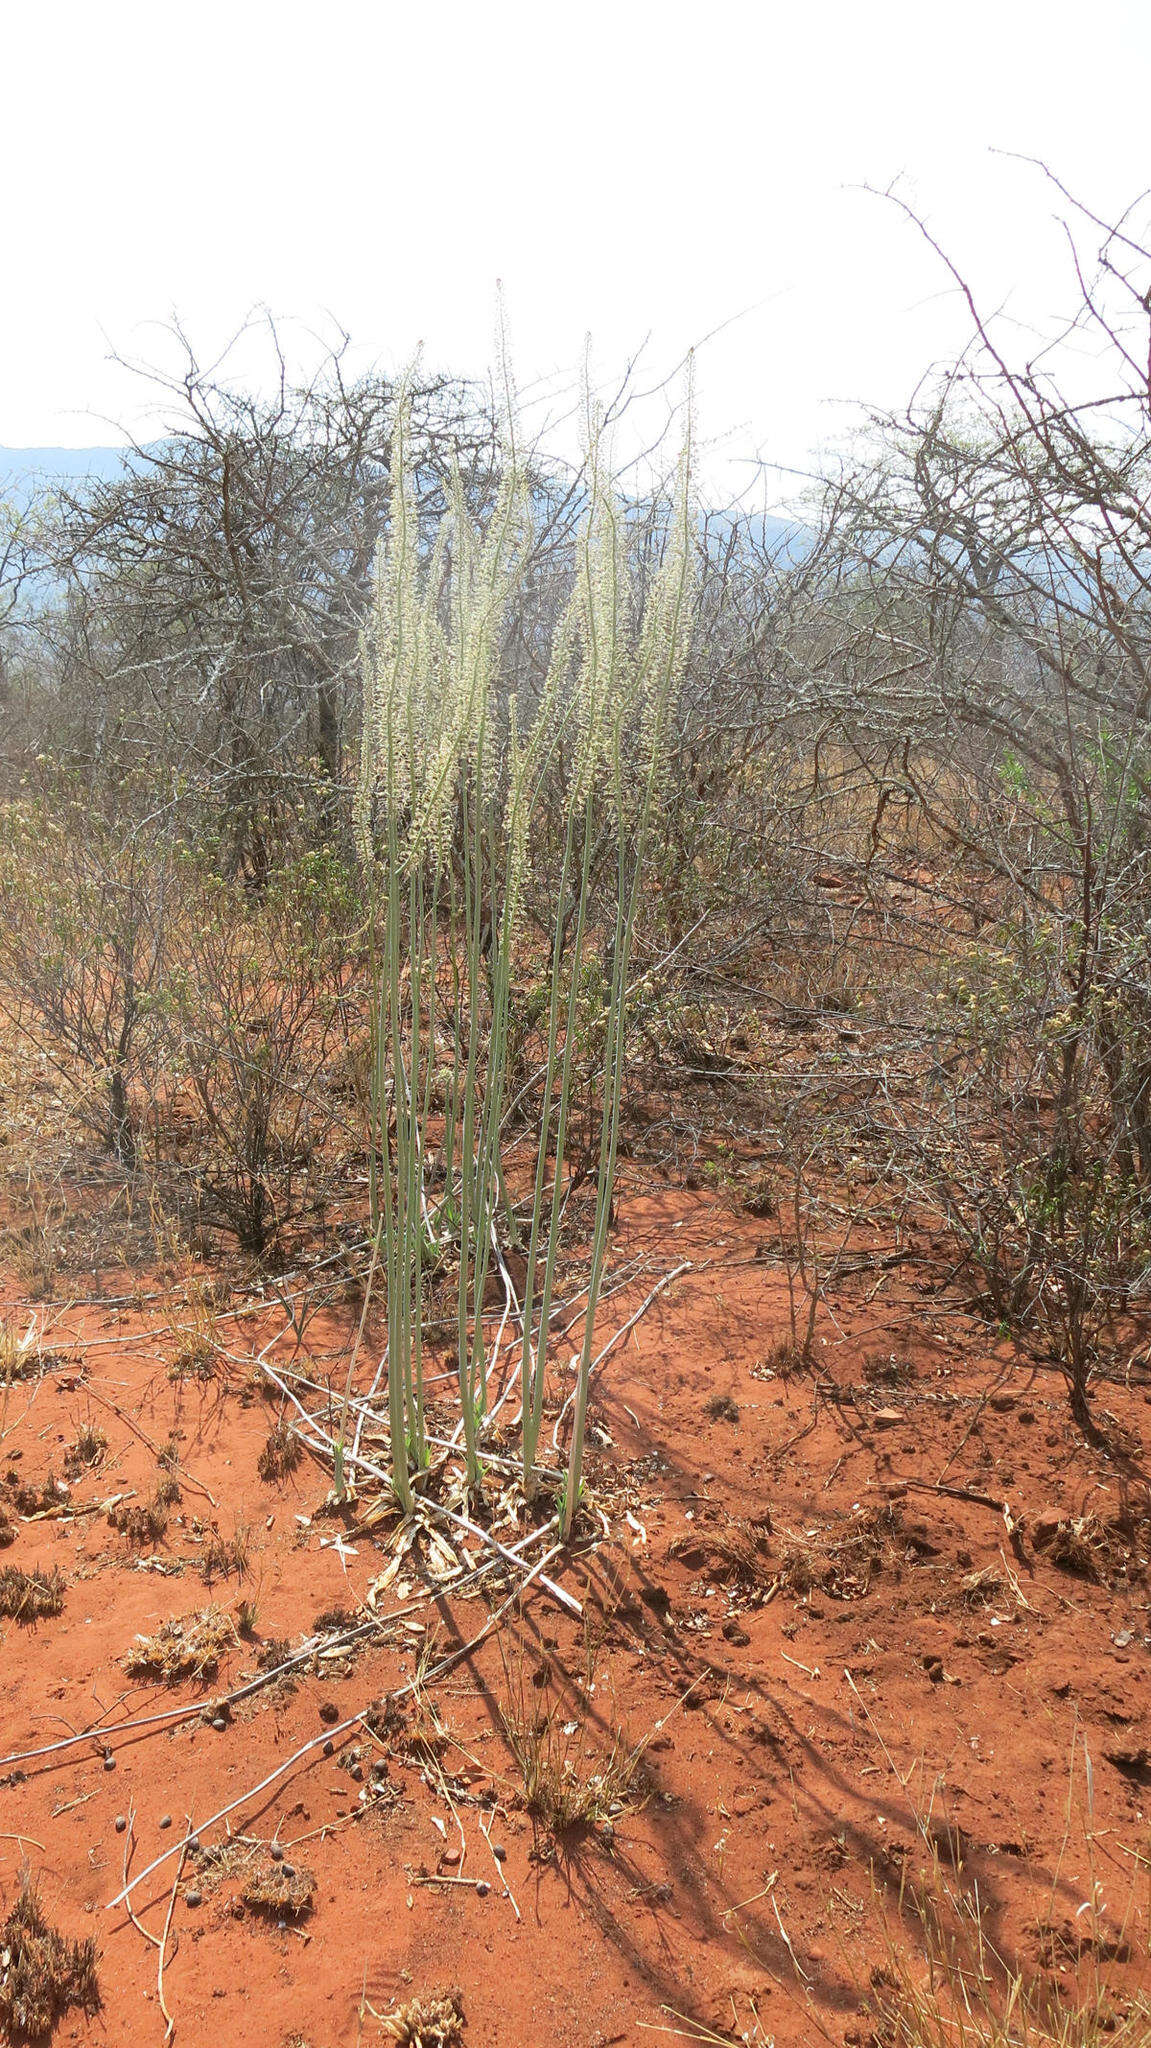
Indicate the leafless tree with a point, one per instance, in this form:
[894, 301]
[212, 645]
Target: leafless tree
[991, 560]
[204, 606]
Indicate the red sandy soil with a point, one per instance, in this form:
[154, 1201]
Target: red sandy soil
[805, 1748]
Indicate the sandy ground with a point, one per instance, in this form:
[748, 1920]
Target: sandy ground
[837, 1632]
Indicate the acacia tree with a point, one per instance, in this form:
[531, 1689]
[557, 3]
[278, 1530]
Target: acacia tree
[15, 547]
[204, 607]
[991, 556]
[84, 918]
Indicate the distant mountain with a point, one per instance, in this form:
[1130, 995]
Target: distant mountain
[23, 471]
[785, 542]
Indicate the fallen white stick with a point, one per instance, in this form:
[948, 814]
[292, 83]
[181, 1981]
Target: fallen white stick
[329, 1734]
[324, 1442]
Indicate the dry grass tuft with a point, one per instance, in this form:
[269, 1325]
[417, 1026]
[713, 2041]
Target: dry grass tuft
[223, 1555]
[983, 1588]
[85, 1451]
[1076, 1543]
[563, 1789]
[1070, 1942]
[42, 1975]
[428, 2022]
[887, 1369]
[734, 1554]
[286, 1889]
[195, 1360]
[189, 1646]
[784, 1358]
[29, 1597]
[335, 1621]
[574, 1777]
[968, 1997]
[146, 1521]
[761, 1199]
[35, 1496]
[842, 1564]
[140, 1521]
[7, 1531]
[281, 1453]
[273, 1652]
[21, 1358]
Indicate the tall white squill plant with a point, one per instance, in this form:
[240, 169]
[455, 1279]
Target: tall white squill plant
[450, 786]
[429, 789]
[630, 660]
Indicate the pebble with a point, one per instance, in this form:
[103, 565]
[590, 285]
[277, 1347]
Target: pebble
[121, 1823]
[194, 1845]
[276, 1853]
[329, 1713]
[483, 1888]
[165, 1820]
[499, 1852]
[289, 1870]
[193, 1898]
[329, 1749]
[219, 1723]
[109, 1763]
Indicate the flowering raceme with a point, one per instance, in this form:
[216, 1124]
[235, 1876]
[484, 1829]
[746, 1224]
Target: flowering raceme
[455, 801]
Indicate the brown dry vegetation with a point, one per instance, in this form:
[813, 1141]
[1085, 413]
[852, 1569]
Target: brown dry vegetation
[42, 1974]
[190, 1646]
[832, 1721]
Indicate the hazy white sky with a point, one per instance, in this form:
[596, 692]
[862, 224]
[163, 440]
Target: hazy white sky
[642, 169]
